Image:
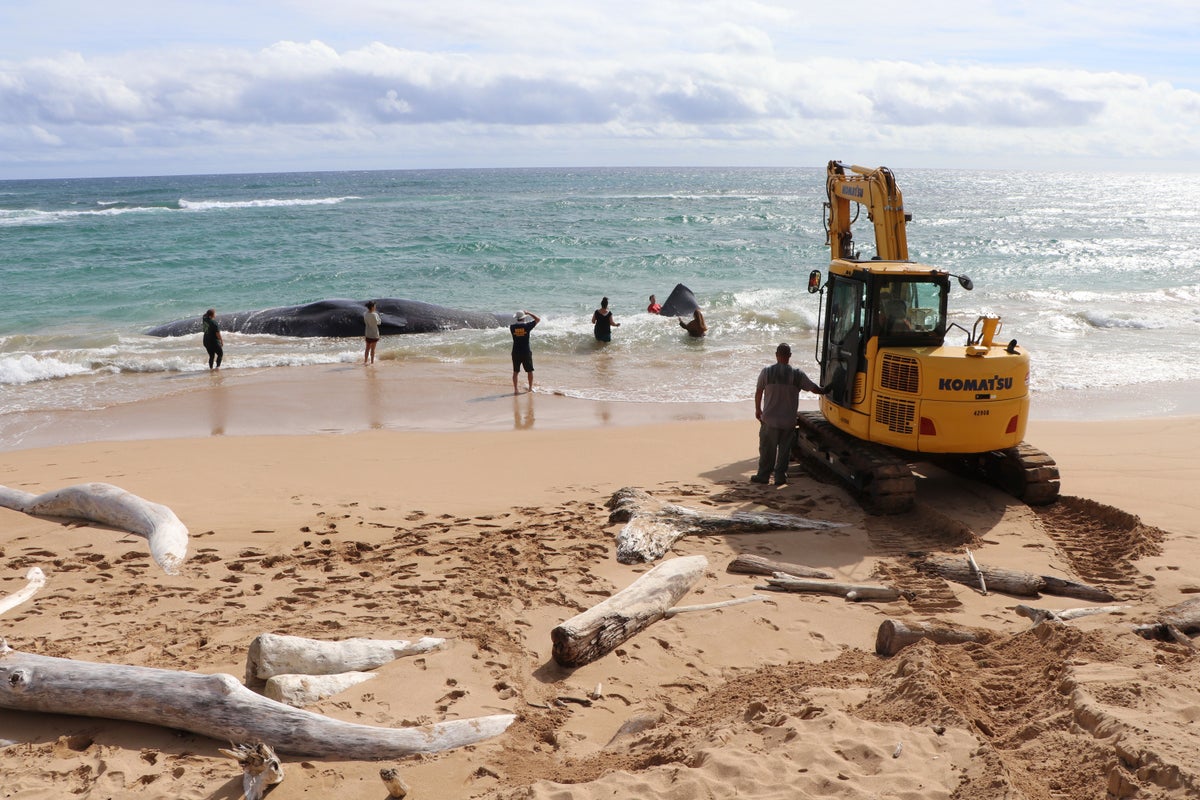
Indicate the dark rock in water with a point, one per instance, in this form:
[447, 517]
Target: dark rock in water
[341, 318]
[681, 303]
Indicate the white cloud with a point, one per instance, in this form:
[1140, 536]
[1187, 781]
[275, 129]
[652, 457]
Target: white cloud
[479, 83]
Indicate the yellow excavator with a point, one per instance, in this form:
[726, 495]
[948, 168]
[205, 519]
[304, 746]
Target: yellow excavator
[898, 393]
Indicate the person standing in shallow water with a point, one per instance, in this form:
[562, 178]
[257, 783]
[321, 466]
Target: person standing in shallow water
[212, 338]
[696, 326]
[371, 321]
[522, 354]
[602, 320]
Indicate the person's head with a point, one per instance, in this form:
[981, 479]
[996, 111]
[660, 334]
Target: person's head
[604, 302]
[518, 317]
[783, 352]
[370, 305]
[652, 300]
[212, 312]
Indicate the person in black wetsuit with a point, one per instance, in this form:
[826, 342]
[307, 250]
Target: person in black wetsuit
[602, 319]
[522, 354]
[212, 338]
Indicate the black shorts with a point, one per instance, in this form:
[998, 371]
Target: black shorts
[522, 360]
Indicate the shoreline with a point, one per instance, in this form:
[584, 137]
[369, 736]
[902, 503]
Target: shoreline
[348, 398]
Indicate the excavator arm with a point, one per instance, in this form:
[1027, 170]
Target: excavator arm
[877, 190]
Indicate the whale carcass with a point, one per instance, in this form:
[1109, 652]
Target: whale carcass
[340, 317]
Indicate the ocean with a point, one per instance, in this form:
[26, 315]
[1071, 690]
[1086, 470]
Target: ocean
[1097, 275]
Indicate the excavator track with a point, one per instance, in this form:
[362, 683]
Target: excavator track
[1024, 471]
[882, 478]
[882, 481]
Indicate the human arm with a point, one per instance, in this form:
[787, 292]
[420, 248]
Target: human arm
[807, 384]
[758, 396]
[536, 318]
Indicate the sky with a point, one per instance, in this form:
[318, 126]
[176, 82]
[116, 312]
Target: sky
[163, 87]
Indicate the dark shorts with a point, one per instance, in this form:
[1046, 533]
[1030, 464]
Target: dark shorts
[522, 360]
[369, 340]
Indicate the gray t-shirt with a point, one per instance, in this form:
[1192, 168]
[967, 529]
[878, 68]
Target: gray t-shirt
[781, 385]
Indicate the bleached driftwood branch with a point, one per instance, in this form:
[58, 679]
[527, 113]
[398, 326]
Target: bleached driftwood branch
[217, 706]
[851, 591]
[737, 601]
[597, 631]
[36, 578]
[1010, 581]
[652, 527]
[1066, 614]
[110, 505]
[273, 654]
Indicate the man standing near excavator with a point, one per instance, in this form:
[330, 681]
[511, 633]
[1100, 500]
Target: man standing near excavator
[776, 402]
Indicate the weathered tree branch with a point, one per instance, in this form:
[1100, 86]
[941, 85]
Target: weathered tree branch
[850, 591]
[597, 631]
[216, 706]
[652, 527]
[1009, 581]
[110, 505]
[36, 578]
[1066, 614]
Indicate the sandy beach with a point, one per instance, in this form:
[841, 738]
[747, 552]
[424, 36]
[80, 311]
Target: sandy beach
[494, 529]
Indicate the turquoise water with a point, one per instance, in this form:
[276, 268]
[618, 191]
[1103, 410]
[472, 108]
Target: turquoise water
[1098, 275]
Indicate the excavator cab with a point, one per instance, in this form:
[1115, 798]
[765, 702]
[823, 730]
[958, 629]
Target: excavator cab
[877, 310]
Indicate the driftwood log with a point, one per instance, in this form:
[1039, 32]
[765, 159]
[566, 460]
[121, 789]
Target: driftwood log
[35, 578]
[216, 706]
[652, 527]
[110, 505]
[748, 564]
[299, 691]
[274, 654]
[1009, 581]
[597, 631]
[894, 635]
[1176, 623]
[851, 591]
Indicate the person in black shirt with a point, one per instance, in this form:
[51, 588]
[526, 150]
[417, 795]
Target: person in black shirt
[522, 355]
[212, 338]
[602, 319]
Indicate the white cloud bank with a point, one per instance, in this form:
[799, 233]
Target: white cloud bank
[723, 95]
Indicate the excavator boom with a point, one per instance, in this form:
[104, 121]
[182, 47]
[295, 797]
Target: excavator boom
[877, 190]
